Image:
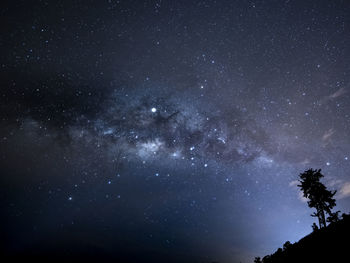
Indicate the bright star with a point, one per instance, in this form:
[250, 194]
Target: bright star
[153, 110]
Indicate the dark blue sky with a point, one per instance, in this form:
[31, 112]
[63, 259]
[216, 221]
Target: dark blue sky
[151, 131]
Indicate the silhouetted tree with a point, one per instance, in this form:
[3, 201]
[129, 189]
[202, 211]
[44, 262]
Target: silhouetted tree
[286, 245]
[345, 216]
[314, 227]
[279, 251]
[317, 194]
[333, 217]
[267, 258]
[257, 260]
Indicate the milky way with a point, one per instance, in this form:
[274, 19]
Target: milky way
[159, 131]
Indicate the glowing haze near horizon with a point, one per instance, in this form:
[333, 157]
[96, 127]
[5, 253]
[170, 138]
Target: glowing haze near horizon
[170, 130]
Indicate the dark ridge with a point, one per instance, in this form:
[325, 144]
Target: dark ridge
[329, 244]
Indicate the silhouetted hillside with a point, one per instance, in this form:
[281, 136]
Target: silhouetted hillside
[329, 244]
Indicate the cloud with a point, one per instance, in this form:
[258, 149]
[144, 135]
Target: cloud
[344, 190]
[343, 187]
[327, 135]
[302, 198]
[340, 92]
[293, 184]
[334, 182]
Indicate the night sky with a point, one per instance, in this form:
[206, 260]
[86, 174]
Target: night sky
[169, 131]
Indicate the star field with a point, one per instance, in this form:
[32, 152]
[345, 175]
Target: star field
[169, 131]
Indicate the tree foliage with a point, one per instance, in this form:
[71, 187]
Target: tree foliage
[286, 245]
[314, 227]
[317, 194]
[333, 217]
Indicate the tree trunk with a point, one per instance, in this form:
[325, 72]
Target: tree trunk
[321, 218]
